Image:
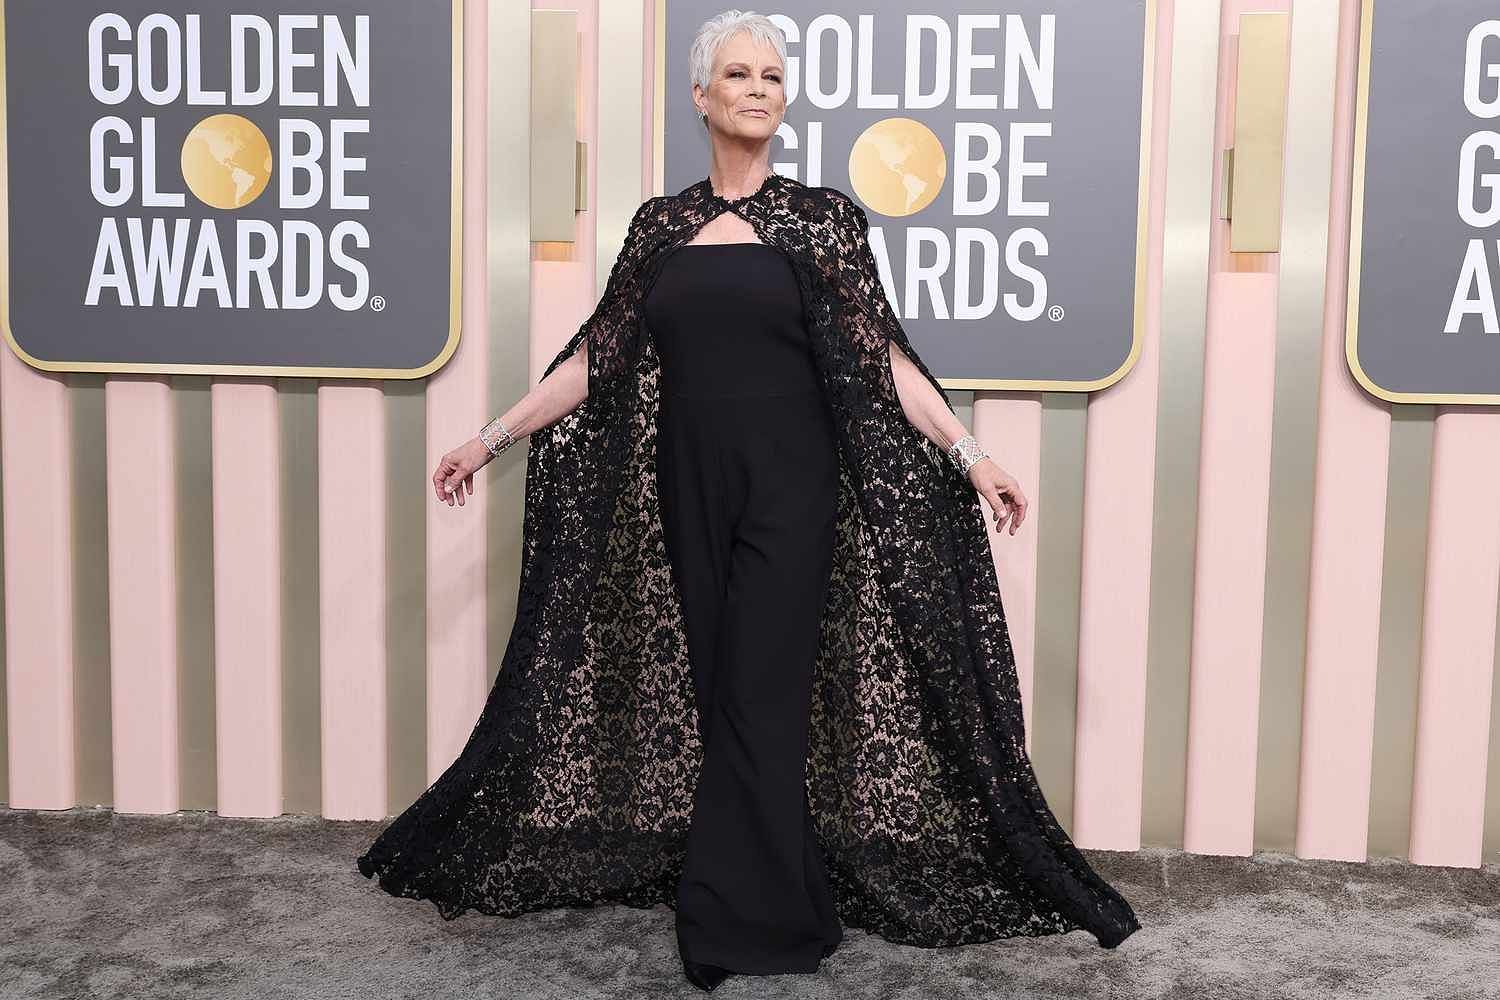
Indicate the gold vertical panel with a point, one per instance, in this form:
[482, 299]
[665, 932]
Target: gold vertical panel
[554, 124]
[619, 184]
[406, 466]
[1402, 585]
[1303, 279]
[581, 173]
[1226, 182]
[92, 698]
[1059, 576]
[1259, 133]
[301, 625]
[197, 736]
[1184, 297]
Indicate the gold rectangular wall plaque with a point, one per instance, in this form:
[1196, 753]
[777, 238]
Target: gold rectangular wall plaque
[555, 195]
[1259, 133]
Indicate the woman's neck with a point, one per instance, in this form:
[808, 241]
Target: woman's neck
[740, 179]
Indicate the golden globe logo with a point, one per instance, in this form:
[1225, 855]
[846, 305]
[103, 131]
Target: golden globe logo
[227, 163]
[897, 166]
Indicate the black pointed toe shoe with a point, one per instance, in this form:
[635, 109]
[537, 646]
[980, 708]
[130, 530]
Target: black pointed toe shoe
[705, 977]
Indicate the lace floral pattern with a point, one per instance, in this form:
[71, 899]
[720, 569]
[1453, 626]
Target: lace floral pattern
[576, 784]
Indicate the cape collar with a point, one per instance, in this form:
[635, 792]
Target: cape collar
[703, 191]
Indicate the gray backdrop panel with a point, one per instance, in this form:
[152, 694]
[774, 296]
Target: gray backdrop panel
[1413, 239]
[1091, 186]
[54, 220]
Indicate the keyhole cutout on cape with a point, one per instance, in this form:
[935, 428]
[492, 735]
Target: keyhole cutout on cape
[726, 227]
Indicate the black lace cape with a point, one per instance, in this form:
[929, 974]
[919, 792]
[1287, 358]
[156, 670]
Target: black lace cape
[576, 786]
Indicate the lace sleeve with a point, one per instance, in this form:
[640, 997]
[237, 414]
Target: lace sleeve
[613, 331]
[872, 323]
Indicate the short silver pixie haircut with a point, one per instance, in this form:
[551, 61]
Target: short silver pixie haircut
[719, 29]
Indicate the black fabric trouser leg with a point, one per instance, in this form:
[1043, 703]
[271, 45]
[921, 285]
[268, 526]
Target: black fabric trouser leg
[748, 488]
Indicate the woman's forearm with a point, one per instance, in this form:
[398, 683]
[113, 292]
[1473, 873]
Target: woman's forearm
[551, 399]
[926, 410]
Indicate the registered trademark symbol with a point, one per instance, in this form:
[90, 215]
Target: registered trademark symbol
[377, 302]
[1055, 313]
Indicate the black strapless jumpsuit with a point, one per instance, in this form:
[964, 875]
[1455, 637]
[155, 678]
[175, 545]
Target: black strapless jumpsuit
[747, 472]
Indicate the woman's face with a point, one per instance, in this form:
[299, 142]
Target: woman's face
[746, 96]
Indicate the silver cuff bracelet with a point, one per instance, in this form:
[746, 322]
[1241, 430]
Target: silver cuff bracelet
[965, 452]
[495, 437]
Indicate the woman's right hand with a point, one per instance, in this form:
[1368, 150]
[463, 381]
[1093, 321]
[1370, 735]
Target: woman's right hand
[455, 471]
[548, 401]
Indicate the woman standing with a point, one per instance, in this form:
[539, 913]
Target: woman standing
[760, 670]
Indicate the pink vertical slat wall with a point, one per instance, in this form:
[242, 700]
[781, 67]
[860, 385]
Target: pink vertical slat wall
[39, 665]
[1229, 582]
[247, 596]
[141, 455]
[351, 598]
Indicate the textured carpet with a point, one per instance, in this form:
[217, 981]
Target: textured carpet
[97, 904]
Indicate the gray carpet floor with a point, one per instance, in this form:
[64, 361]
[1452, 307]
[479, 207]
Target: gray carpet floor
[98, 904]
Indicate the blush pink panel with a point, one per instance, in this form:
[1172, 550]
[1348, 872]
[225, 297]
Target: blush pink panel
[1348, 543]
[351, 598]
[39, 662]
[1230, 558]
[140, 452]
[247, 596]
[456, 410]
[1458, 639]
[1115, 575]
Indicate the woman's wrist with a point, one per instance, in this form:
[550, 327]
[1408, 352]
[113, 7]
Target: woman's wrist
[496, 437]
[964, 452]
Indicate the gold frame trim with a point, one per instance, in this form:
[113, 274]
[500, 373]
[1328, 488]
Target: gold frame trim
[455, 265]
[1142, 227]
[1356, 240]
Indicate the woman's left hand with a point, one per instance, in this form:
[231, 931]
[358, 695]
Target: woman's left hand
[1002, 492]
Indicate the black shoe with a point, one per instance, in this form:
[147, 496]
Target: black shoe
[705, 977]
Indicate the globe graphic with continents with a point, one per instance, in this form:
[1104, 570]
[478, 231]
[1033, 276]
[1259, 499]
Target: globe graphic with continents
[226, 161]
[897, 166]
